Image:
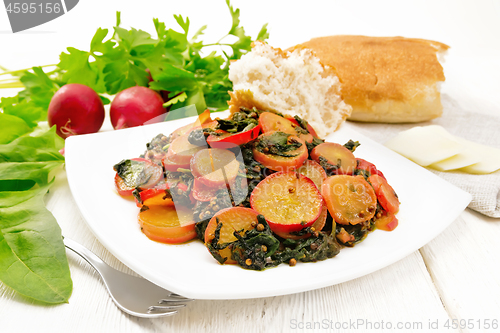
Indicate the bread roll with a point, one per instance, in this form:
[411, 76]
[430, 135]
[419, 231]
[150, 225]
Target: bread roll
[385, 79]
[292, 83]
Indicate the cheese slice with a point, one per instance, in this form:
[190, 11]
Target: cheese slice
[465, 158]
[425, 145]
[434, 147]
[489, 163]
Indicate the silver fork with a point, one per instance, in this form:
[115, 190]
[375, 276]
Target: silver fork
[133, 295]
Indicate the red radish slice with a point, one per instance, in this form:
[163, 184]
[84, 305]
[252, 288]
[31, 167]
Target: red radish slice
[317, 225]
[336, 154]
[313, 171]
[385, 194]
[289, 201]
[281, 163]
[172, 166]
[232, 219]
[215, 167]
[150, 175]
[201, 192]
[310, 129]
[122, 188]
[154, 197]
[370, 167]
[154, 173]
[350, 199]
[181, 150]
[229, 140]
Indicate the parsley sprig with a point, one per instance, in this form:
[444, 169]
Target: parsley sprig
[122, 58]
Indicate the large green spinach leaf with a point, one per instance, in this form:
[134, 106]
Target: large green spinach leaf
[32, 256]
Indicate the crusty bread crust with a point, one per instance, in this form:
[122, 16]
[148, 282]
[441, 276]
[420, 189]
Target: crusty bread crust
[385, 79]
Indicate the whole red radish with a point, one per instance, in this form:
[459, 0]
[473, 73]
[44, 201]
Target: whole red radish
[75, 109]
[135, 106]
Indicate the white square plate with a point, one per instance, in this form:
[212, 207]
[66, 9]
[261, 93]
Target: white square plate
[428, 205]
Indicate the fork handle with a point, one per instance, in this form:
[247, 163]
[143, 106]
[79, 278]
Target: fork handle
[86, 254]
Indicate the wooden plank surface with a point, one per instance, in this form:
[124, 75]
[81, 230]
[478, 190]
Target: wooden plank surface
[464, 264]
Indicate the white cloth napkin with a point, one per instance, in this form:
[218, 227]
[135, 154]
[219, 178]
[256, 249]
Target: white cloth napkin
[470, 125]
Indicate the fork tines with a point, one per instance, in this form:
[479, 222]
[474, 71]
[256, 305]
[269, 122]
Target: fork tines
[160, 308]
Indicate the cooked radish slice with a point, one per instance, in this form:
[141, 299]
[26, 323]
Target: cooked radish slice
[201, 192]
[370, 167]
[310, 129]
[155, 196]
[122, 188]
[263, 152]
[173, 166]
[215, 167]
[232, 219]
[203, 118]
[387, 222]
[289, 201]
[336, 154]
[168, 224]
[181, 150]
[271, 122]
[136, 172]
[229, 140]
[153, 173]
[159, 199]
[313, 171]
[350, 199]
[385, 194]
[317, 225]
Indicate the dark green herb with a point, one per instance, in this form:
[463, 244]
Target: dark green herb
[255, 172]
[362, 172]
[132, 172]
[315, 142]
[358, 231]
[302, 122]
[197, 138]
[258, 250]
[200, 228]
[352, 145]
[214, 246]
[314, 248]
[180, 193]
[277, 143]
[253, 248]
[233, 126]
[157, 148]
[137, 195]
[330, 169]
